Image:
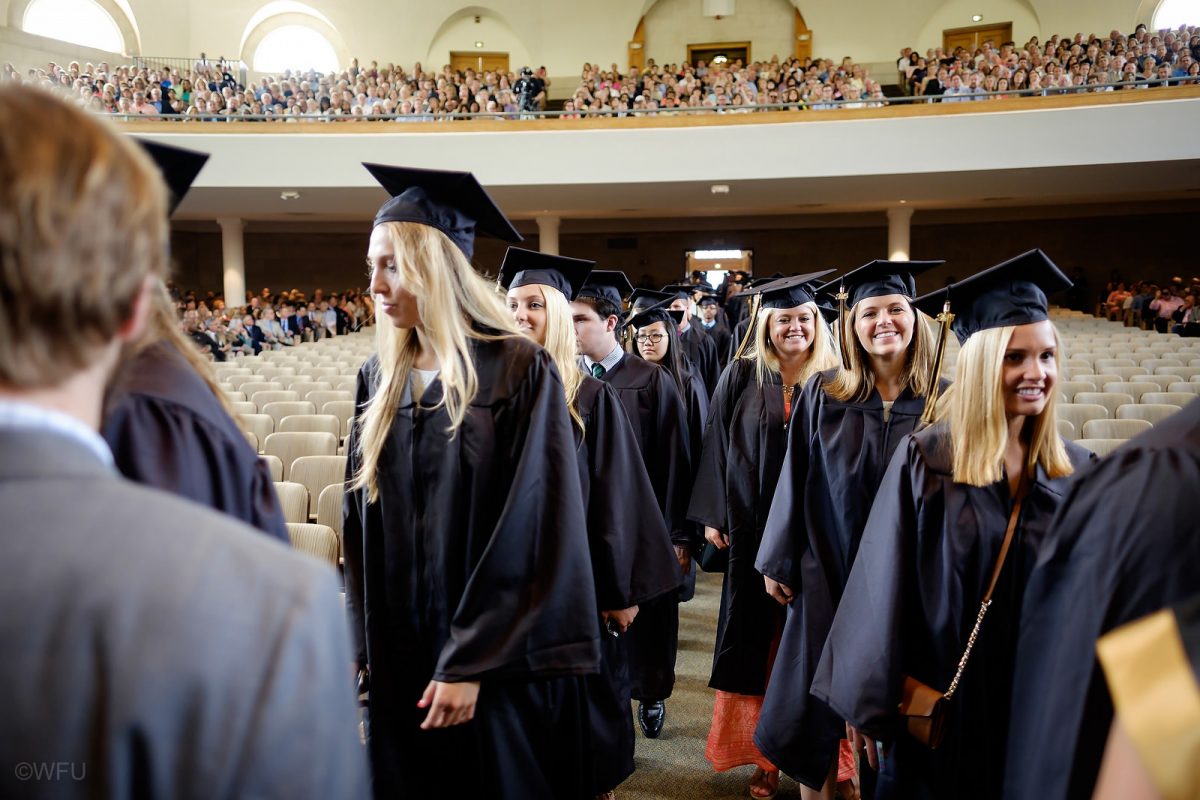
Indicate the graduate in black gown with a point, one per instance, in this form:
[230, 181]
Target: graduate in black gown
[658, 416]
[742, 454]
[632, 558]
[846, 425]
[1152, 669]
[711, 320]
[468, 578]
[166, 421]
[939, 529]
[698, 345]
[1124, 545]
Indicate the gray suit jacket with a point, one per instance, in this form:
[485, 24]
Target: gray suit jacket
[152, 647]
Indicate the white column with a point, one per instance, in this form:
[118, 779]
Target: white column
[548, 234]
[899, 226]
[233, 260]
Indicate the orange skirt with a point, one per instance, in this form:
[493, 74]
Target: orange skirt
[731, 737]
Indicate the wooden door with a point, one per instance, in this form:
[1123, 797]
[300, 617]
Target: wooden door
[479, 61]
[973, 37]
[803, 47]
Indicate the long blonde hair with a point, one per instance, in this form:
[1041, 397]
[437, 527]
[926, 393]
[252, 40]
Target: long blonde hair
[453, 303]
[855, 380]
[560, 344]
[821, 354]
[974, 406]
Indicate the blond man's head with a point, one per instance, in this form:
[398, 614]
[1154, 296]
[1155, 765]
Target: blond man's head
[83, 224]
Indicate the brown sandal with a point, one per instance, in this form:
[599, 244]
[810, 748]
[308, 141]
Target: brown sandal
[764, 784]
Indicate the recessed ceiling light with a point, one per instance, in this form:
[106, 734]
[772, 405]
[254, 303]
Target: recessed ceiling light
[977, 18]
[478, 45]
[720, 188]
[289, 195]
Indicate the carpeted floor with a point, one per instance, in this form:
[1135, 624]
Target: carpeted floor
[672, 767]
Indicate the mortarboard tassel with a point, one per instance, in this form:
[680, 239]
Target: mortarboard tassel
[755, 305]
[944, 319]
[842, 295]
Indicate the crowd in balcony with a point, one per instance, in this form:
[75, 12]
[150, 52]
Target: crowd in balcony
[210, 91]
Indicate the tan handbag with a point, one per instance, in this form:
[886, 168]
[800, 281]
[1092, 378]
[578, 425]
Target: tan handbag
[924, 708]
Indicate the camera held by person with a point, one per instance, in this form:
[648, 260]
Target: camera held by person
[528, 89]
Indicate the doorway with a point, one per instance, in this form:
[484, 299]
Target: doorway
[719, 52]
[463, 60]
[972, 38]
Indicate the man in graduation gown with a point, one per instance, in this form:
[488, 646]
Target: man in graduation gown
[657, 415]
[472, 565]
[712, 322]
[149, 647]
[1124, 545]
[699, 346]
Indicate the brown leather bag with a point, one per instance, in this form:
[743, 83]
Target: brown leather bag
[924, 708]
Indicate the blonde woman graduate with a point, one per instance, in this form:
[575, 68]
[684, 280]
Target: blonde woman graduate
[958, 521]
[468, 580]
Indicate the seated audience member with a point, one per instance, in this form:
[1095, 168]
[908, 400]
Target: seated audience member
[159, 648]
[1115, 303]
[258, 339]
[1187, 317]
[273, 332]
[1164, 305]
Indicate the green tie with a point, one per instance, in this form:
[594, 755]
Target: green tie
[597, 369]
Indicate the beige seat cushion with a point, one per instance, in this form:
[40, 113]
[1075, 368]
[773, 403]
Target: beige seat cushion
[316, 472]
[293, 499]
[291, 446]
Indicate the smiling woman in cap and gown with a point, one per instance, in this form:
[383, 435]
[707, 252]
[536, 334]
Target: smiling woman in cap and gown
[468, 580]
[167, 423]
[957, 523]
[632, 558]
[847, 423]
[743, 451]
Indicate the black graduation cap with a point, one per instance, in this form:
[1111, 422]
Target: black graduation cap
[707, 299]
[644, 298]
[879, 278]
[680, 291]
[827, 305]
[452, 202]
[609, 284]
[179, 169]
[765, 279]
[788, 292]
[1011, 293]
[656, 313]
[523, 267]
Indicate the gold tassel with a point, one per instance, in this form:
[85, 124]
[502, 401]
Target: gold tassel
[755, 303]
[842, 296]
[944, 319]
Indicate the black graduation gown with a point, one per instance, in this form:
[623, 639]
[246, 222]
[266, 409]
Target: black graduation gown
[696, 403]
[473, 566]
[702, 352]
[744, 445]
[736, 310]
[632, 560]
[167, 430]
[721, 336]
[912, 598]
[1124, 545]
[836, 456]
[658, 417]
[739, 334]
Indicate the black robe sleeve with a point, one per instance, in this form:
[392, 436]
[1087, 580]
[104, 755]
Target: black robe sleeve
[672, 457]
[632, 556]
[1124, 545]
[709, 504]
[353, 523]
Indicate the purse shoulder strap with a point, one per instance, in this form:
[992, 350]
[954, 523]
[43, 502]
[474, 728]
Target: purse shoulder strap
[1013, 516]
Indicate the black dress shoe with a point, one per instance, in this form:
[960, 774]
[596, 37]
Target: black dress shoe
[651, 717]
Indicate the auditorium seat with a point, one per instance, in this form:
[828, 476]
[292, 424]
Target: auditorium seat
[274, 465]
[1126, 372]
[238, 381]
[233, 396]
[1162, 381]
[316, 472]
[251, 387]
[273, 373]
[261, 425]
[329, 507]
[1153, 413]
[1131, 388]
[1068, 389]
[251, 439]
[291, 446]
[310, 423]
[244, 407]
[262, 399]
[1187, 373]
[1103, 364]
[344, 411]
[321, 397]
[317, 540]
[1180, 399]
[1066, 429]
[1099, 379]
[1079, 413]
[280, 409]
[1183, 386]
[1100, 447]
[1109, 400]
[293, 499]
[346, 383]
[1151, 364]
[1115, 428]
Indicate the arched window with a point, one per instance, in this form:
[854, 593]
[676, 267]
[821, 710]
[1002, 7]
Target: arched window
[294, 47]
[81, 22]
[1173, 13]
